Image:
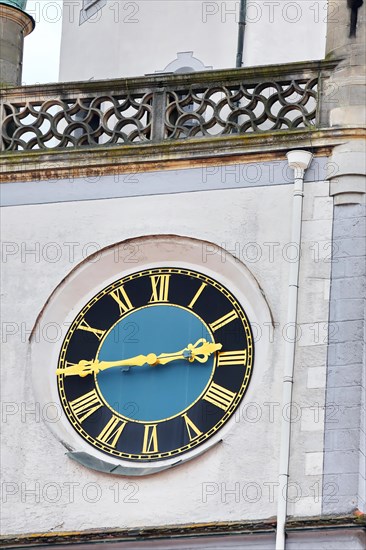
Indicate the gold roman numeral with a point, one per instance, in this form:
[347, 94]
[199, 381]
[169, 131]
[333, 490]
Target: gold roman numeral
[224, 320]
[96, 331]
[160, 288]
[150, 442]
[84, 406]
[232, 358]
[197, 295]
[192, 429]
[219, 396]
[123, 301]
[112, 431]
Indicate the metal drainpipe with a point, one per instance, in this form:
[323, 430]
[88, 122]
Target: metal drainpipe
[241, 32]
[299, 161]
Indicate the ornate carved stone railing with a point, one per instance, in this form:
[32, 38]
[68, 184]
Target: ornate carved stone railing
[162, 107]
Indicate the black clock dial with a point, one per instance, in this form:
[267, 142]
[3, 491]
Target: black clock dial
[155, 364]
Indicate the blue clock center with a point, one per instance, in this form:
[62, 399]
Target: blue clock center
[154, 393]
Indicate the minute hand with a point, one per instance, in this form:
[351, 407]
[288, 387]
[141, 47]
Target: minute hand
[83, 368]
[200, 351]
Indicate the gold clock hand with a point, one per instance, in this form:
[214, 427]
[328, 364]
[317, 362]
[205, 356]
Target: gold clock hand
[200, 351]
[83, 368]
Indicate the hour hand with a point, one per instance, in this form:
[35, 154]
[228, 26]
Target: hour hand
[200, 351]
[83, 368]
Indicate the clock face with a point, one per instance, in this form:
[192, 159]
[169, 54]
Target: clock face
[155, 364]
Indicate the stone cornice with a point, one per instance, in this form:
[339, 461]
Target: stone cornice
[25, 21]
[267, 526]
[90, 161]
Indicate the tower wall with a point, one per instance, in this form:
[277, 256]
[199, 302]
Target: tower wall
[14, 26]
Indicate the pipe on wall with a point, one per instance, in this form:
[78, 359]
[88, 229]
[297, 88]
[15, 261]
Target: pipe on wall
[299, 161]
[241, 33]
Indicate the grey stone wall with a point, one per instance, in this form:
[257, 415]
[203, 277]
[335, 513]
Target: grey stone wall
[344, 446]
[14, 26]
[11, 46]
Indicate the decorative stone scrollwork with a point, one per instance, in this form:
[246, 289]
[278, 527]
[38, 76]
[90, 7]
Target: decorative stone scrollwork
[242, 108]
[81, 121]
[156, 110]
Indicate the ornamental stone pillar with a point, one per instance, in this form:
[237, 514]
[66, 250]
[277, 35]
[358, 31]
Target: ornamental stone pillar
[15, 24]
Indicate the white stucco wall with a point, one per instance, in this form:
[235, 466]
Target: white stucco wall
[70, 497]
[127, 38]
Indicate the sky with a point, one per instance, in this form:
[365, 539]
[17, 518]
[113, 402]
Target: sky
[42, 46]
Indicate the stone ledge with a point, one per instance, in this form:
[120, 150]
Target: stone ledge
[158, 81]
[356, 520]
[170, 155]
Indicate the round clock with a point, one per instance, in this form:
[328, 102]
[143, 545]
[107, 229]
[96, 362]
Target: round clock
[155, 364]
